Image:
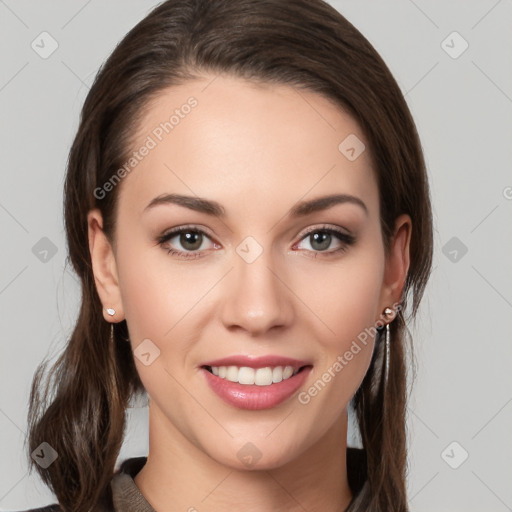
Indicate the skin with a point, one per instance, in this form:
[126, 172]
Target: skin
[257, 150]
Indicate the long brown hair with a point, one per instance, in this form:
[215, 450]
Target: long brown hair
[79, 408]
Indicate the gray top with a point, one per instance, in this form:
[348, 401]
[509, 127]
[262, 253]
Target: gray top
[125, 494]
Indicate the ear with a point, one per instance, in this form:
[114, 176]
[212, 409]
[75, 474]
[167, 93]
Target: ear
[397, 263]
[104, 267]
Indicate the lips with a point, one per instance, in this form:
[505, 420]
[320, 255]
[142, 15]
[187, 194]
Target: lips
[255, 382]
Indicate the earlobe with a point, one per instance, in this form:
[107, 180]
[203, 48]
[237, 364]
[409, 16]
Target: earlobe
[104, 266]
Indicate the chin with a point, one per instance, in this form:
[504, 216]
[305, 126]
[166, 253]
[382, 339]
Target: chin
[257, 455]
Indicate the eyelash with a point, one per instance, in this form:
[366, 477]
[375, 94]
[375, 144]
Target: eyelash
[345, 238]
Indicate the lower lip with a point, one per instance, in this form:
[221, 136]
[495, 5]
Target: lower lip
[253, 397]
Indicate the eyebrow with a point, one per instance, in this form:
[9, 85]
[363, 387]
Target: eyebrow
[215, 209]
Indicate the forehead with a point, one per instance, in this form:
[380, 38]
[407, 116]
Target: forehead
[247, 144]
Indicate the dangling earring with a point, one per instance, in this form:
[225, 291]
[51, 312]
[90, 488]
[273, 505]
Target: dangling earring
[387, 312]
[112, 312]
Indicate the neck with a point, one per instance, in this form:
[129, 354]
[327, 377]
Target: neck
[178, 476]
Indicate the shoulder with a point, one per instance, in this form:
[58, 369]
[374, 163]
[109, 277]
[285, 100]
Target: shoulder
[129, 467]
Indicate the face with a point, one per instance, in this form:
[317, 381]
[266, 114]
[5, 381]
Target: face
[258, 285]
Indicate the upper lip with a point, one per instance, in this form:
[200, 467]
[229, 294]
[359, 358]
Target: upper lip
[257, 362]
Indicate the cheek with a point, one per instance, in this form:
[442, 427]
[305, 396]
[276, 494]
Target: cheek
[343, 297]
[155, 293]
[162, 302]
[158, 303]
[358, 301]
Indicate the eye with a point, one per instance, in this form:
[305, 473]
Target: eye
[190, 238]
[321, 238]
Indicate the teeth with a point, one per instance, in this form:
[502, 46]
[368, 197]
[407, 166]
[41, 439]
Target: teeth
[263, 376]
[287, 372]
[260, 376]
[232, 373]
[244, 375]
[277, 374]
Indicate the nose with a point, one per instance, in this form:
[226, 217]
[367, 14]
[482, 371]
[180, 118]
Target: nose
[256, 298]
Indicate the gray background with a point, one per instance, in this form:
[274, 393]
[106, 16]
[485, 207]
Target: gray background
[463, 109]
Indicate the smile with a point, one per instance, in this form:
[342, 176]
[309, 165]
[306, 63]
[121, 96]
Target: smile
[255, 383]
[260, 376]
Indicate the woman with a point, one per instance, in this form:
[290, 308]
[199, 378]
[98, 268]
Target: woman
[247, 207]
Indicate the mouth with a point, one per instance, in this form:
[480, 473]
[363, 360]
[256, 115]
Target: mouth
[255, 383]
[248, 376]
